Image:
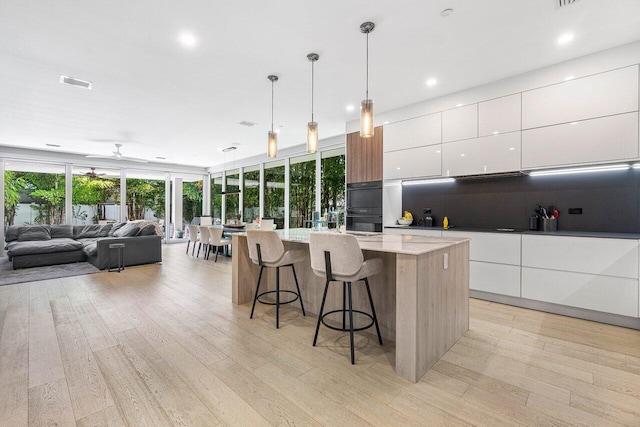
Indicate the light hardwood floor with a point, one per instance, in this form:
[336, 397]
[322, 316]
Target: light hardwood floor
[163, 344]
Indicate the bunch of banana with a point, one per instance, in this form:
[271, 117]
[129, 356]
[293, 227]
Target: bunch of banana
[407, 215]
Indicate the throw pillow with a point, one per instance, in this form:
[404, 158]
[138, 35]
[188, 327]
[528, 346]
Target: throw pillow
[146, 223]
[34, 232]
[116, 227]
[11, 234]
[62, 231]
[127, 230]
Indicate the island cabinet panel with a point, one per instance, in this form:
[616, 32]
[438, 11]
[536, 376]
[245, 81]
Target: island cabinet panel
[604, 94]
[501, 248]
[460, 123]
[412, 133]
[608, 294]
[364, 157]
[500, 115]
[603, 139]
[495, 278]
[489, 154]
[598, 256]
[413, 162]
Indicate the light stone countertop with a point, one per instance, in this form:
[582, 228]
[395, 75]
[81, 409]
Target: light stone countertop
[398, 244]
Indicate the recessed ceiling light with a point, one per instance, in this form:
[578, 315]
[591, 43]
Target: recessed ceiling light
[566, 79]
[496, 132]
[446, 12]
[459, 105]
[512, 148]
[565, 38]
[397, 168]
[350, 107]
[53, 145]
[277, 131]
[161, 158]
[385, 123]
[462, 155]
[76, 82]
[432, 82]
[188, 40]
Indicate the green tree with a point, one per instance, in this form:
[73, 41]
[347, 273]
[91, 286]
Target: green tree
[93, 192]
[191, 200]
[47, 190]
[274, 194]
[302, 197]
[333, 183]
[251, 195]
[13, 185]
[145, 194]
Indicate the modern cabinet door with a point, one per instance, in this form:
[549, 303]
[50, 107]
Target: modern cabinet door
[604, 94]
[499, 115]
[609, 294]
[489, 154]
[495, 278]
[589, 141]
[502, 248]
[610, 257]
[460, 123]
[364, 157]
[412, 133]
[413, 163]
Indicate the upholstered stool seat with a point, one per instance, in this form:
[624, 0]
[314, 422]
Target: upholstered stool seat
[338, 257]
[267, 250]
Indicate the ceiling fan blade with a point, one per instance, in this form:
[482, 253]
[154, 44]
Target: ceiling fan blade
[133, 159]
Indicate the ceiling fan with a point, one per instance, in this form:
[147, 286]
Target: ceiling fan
[117, 155]
[92, 174]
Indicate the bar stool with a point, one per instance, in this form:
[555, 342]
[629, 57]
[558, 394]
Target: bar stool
[266, 250]
[338, 257]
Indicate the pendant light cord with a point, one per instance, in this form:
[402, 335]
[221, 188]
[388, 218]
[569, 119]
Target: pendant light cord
[367, 97]
[312, 79]
[271, 105]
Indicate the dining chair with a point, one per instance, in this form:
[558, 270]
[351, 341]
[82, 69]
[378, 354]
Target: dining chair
[266, 224]
[204, 240]
[216, 240]
[193, 237]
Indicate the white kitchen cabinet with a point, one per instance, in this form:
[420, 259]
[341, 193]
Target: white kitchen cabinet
[418, 132]
[604, 94]
[413, 162]
[610, 257]
[499, 115]
[410, 231]
[597, 140]
[489, 154]
[502, 248]
[495, 278]
[615, 295]
[460, 123]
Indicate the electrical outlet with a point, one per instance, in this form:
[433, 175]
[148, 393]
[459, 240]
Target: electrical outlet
[446, 261]
[575, 211]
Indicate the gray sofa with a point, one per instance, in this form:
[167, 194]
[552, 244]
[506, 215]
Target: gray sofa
[38, 245]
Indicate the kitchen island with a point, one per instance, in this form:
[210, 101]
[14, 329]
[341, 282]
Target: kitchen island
[421, 297]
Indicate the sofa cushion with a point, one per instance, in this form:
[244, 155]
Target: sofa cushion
[44, 247]
[116, 227]
[11, 234]
[128, 230]
[148, 230]
[91, 248]
[92, 230]
[34, 233]
[59, 231]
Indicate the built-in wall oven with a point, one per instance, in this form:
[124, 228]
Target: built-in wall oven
[364, 206]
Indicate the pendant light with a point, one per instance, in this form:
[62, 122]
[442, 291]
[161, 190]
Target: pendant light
[366, 106]
[312, 126]
[272, 145]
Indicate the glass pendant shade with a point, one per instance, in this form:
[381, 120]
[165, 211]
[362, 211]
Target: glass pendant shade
[312, 137]
[366, 118]
[272, 147]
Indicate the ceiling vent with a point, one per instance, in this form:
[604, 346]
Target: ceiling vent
[562, 3]
[76, 82]
[246, 123]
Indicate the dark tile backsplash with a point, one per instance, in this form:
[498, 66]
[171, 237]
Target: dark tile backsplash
[609, 201]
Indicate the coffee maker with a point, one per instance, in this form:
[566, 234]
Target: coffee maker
[427, 219]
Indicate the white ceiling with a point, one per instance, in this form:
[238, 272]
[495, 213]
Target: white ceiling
[163, 100]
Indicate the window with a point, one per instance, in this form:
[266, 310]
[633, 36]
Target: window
[302, 190]
[34, 193]
[274, 192]
[145, 195]
[95, 196]
[216, 198]
[332, 195]
[232, 200]
[191, 197]
[251, 193]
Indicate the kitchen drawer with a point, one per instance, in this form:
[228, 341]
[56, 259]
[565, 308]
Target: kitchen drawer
[611, 257]
[502, 248]
[500, 115]
[413, 232]
[604, 94]
[598, 140]
[412, 133]
[495, 278]
[615, 295]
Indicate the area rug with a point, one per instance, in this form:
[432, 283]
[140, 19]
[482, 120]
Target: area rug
[9, 276]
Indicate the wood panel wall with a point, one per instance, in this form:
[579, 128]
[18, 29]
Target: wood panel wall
[364, 157]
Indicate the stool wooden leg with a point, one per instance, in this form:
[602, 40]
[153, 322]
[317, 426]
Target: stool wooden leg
[277, 297]
[353, 358]
[255, 297]
[324, 298]
[298, 288]
[373, 310]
